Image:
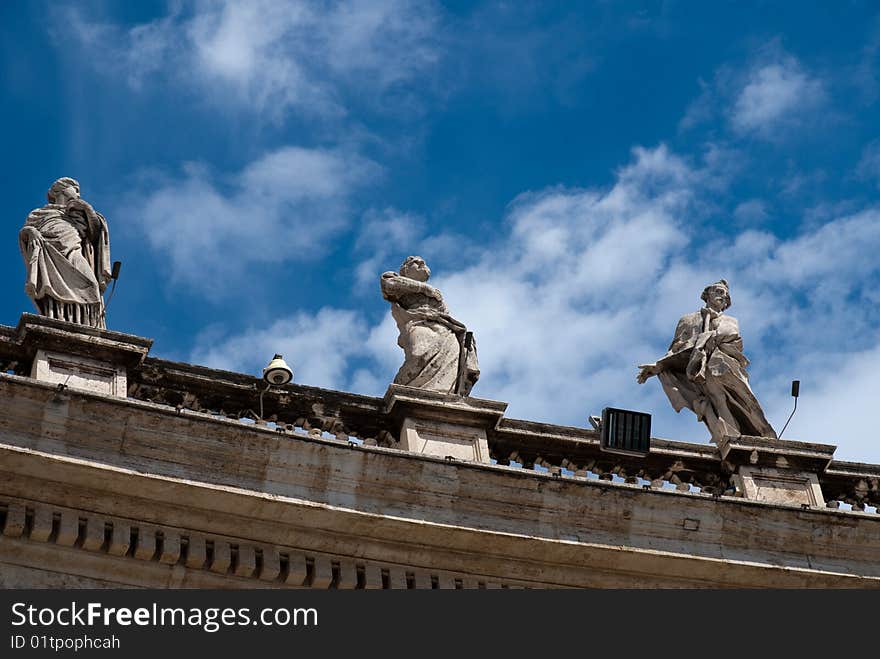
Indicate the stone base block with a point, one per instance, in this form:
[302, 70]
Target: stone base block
[442, 424]
[80, 373]
[79, 356]
[444, 439]
[776, 470]
[779, 486]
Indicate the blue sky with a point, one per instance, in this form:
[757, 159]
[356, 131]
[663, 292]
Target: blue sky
[573, 173]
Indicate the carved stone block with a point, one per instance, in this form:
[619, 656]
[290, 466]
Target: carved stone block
[170, 548]
[68, 531]
[397, 578]
[94, 538]
[271, 566]
[222, 557]
[80, 373]
[444, 439]
[146, 544]
[347, 575]
[372, 577]
[443, 425]
[15, 519]
[779, 486]
[42, 529]
[297, 569]
[247, 561]
[323, 572]
[79, 356]
[775, 470]
[121, 539]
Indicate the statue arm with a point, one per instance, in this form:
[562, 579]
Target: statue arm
[99, 237]
[680, 344]
[646, 371]
[395, 285]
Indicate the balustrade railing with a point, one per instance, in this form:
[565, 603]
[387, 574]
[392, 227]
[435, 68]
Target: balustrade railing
[561, 451]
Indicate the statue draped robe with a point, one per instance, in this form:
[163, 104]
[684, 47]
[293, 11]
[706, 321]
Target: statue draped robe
[431, 339]
[67, 255]
[705, 371]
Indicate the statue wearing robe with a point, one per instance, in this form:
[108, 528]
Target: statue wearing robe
[705, 371]
[66, 250]
[436, 355]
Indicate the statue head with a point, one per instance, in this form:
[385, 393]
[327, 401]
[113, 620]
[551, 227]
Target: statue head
[415, 268]
[61, 188]
[717, 295]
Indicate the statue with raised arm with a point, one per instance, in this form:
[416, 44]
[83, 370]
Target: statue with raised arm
[66, 250]
[439, 353]
[705, 370]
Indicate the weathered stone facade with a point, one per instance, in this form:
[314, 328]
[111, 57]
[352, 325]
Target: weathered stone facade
[176, 485]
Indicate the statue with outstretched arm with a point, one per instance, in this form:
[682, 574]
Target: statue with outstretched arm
[705, 370]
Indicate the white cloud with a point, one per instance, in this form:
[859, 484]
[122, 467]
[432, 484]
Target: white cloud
[388, 236]
[135, 54]
[272, 56]
[837, 395]
[317, 347]
[775, 95]
[551, 313]
[753, 211]
[869, 164]
[589, 283]
[770, 97]
[281, 207]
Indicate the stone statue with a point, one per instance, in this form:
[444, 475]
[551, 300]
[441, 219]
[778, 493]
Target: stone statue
[439, 354]
[705, 370]
[66, 249]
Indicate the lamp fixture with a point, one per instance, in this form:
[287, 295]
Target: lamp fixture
[276, 372]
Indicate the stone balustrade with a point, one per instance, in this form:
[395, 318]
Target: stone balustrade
[561, 451]
[117, 468]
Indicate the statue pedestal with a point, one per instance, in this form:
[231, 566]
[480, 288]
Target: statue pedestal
[442, 424]
[778, 471]
[78, 356]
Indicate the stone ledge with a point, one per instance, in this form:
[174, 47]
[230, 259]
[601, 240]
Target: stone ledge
[401, 401]
[253, 435]
[444, 425]
[222, 561]
[270, 518]
[777, 453]
[36, 333]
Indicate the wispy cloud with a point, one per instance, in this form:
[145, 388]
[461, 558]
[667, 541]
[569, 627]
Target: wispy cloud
[587, 283]
[525, 53]
[387, 236]
[770, 97]
[776, 94]
[553, 301]
[135, 54]
[270, 56]
[582, 291]
[282, 207]
[384, 234]
[751, 212]
[869, 165]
